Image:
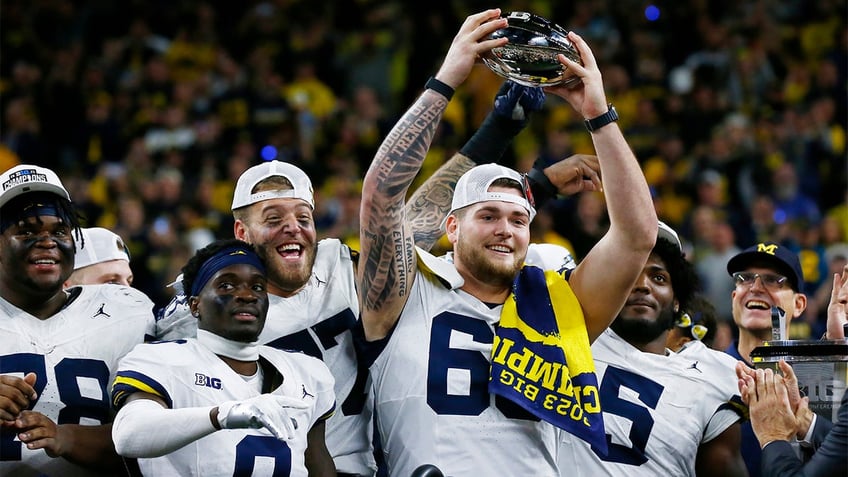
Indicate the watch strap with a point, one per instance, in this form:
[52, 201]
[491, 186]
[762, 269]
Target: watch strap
[596, 123]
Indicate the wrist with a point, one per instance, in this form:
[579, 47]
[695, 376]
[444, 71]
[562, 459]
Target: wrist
[213, 416]
[440, 87]
[597, 122]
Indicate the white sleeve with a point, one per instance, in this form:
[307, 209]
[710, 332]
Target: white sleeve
[144, 428]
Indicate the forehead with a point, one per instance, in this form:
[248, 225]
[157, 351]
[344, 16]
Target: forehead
[279, 205]
[497, 206]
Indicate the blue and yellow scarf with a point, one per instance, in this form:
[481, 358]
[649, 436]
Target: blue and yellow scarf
[541, 359]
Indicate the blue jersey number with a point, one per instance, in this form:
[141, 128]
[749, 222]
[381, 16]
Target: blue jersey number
[251, 447]
[468, 365]
[641, 421]
[327, 331]
[67, 372]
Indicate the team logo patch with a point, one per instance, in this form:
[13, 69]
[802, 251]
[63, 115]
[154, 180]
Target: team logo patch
[102, 312]
[201, 379]
[24, 176]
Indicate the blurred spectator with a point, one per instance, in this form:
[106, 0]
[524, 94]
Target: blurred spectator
[712, 270]
[110, 94]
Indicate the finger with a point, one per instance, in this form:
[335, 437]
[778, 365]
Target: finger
[269, 424]
[751, 389]
[584, 50]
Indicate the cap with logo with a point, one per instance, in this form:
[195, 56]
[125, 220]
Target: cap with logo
[473, 188]
[100, 245]
[301, 185]
[771, 255]
[27, 178]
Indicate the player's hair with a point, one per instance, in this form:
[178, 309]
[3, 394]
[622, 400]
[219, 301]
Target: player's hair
[684, 280]
[201, 256]
[269, 183]
[13, 212]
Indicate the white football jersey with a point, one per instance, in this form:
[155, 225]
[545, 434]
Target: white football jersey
[431, 388]
[74, 354]
[721, 367]
[657, 411]
[318, 321]
[187, 374]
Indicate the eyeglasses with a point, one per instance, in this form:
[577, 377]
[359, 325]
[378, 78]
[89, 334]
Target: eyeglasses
[771, 281]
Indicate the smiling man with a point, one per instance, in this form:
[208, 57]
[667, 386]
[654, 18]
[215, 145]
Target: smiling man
[766, 275]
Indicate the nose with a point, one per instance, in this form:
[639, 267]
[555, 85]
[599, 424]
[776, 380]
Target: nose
[45, 239]
[503, 228]
[642, 283]
[246, 293]
[758, 283]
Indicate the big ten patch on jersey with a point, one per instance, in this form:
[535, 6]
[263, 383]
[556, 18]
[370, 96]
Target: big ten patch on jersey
[201, 379]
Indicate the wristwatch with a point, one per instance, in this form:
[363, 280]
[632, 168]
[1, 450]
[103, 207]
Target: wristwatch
[597, 123]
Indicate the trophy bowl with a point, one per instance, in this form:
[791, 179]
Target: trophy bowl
[530, 56]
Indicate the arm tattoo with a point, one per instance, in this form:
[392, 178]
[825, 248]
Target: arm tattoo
[387, 244]
[429, 205]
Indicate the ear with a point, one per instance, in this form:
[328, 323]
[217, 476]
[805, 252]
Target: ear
[193, 303]
[800, 302]
[676, 306]
[240, 230]
[452, 228]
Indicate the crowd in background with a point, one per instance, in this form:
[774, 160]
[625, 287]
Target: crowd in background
[149, 111]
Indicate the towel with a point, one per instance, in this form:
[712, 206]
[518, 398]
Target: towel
[541, 358]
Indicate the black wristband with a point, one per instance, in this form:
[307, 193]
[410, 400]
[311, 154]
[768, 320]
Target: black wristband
[439, 87]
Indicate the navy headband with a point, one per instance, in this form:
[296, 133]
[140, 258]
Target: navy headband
[33, 209]
[236, 255]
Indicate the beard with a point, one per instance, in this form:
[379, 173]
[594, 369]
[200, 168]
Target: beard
[643, 330]
[287, 277]
[486, 270]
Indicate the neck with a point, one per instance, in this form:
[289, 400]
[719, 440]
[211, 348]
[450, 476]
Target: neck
[655, 346]
[231, 351]
[749, 340]
[41, 306]
[485, 292]
[274, 289]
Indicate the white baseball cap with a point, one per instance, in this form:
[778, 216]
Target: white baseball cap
[27, 178]
[100, 245]
[301, 185]
[473, 187]
[668, 233]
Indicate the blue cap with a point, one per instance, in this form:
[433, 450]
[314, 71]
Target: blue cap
[771, 255]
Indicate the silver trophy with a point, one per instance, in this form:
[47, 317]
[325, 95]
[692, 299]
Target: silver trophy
[530, 57]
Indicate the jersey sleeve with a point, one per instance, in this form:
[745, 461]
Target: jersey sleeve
[175, 320]
[141, 370]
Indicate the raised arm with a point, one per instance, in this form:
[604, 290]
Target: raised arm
[602, 281]
[387, 267]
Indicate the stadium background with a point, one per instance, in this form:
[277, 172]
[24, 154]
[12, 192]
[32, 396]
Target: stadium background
[150, 109]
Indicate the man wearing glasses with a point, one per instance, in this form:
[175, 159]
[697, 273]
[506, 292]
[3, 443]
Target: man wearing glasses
[766, 275]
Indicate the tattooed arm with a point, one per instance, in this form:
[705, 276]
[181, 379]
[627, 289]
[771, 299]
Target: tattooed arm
[387, 262]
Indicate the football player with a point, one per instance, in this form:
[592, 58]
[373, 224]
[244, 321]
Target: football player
[431, 323]
[59, 349]
[174, 396]
[664, 413]
[103, 258]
